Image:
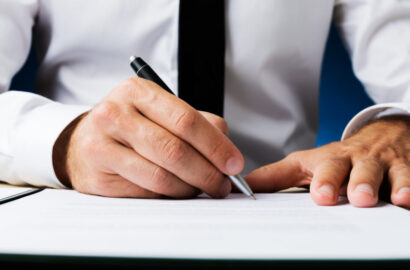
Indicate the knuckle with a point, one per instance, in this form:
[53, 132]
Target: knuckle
[372, 160]
[294, 157]
[369, 162]
[129, 84]
[221, 124]
[89, 146]
[160, 180]
[354, 148]
[211, 177]
[140, 91]
[400, 168]
[380, 150]
[216, 150]
[134, 88]
[173, 151]
[401, 162]
[338, 162]
[185, 121]
[106, 112]
[133, 164]
[216, 121]
[131, 90]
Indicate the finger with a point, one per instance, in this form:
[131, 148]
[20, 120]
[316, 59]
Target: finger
[365, 179]
[185, 122]
[118, 187]
[216, 121]
[133, 167]
[161, 147]
[399, 178]
[328, 177]
[277, 176]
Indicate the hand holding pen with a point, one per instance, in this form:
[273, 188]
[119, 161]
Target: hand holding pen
[143, 70]
[141, 141]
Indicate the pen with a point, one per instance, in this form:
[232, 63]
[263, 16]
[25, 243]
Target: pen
[143, 70]
[20, 195]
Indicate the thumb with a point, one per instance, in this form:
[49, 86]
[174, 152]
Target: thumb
[277, 176]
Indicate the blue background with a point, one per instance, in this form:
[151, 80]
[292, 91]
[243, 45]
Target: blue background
[341, 94]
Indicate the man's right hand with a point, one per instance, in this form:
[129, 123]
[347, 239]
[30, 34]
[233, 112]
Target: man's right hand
[143, 142]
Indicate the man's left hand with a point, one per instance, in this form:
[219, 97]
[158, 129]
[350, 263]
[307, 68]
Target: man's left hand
[356, 166]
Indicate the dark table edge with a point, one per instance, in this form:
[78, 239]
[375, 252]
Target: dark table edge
[23, 261]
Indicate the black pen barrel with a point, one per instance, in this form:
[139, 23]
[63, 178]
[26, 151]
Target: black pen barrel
[143, 70]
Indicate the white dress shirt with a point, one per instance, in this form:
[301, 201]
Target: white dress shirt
[273, 61]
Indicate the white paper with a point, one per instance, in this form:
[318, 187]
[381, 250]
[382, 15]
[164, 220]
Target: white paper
[275, 226]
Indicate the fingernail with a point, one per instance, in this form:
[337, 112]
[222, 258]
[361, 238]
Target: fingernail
[226, 188]
[365, 188]
[234, 166]
[404, 190]
[326, 190]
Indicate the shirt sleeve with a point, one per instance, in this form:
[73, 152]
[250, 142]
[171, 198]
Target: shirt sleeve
[376, 35]
[30, 124]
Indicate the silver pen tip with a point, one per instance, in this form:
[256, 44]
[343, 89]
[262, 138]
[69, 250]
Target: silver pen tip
[132, 58]
[253, 197]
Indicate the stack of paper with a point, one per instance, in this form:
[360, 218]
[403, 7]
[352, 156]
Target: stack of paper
[275, 226]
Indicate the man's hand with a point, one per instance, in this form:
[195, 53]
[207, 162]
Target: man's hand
[143, 142]
[357, 165]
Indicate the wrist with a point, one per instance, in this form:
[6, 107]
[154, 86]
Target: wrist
[60, 151]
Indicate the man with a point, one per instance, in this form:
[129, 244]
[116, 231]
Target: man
[140, 141]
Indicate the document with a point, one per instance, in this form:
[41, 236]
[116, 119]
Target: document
[275, 226]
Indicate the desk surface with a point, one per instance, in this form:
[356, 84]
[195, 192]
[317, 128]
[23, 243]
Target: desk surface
[53, 203]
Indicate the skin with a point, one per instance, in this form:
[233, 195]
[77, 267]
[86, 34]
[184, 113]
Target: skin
[356, 166]
[143, 142]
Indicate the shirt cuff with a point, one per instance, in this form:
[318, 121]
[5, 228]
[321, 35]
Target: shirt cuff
[35, 138]
[372, 113]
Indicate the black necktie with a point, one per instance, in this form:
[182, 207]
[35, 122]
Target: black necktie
[201, 54]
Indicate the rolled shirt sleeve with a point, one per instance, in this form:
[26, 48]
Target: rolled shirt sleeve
[30, 124]
[372, 113]
[34, 124]
[376, 34]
